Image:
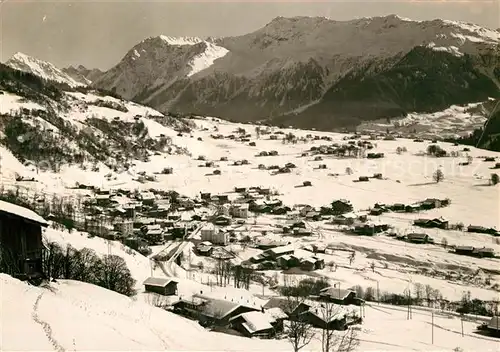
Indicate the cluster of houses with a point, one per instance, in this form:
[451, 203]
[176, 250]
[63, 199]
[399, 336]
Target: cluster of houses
[427, 204]
[268, 320]
[470, 251]
[283, 257]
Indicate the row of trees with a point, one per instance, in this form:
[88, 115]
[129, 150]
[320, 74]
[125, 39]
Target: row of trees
[85, 265]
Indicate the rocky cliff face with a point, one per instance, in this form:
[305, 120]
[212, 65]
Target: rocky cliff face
[315, 72]
[82, 74]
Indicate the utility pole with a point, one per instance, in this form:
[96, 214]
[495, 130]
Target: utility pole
[462, 323]
[432, 324]
[378, 293]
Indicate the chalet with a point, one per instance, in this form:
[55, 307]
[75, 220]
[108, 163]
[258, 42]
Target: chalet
[147, 198]
[313, 215]
[484, 252]
[223, 198]
[397, 207]
[432, 223]
[222, 220]
[267, 244]
[103, 200]
[302, 232]
[417, 238]
[482, 229]
[363, 179]
[204, 249]
[239, 210]
[21, 243]
[307, 184]
[411, 208]
[431, 203]
[274, 253]
[154, 236]
[464, 250]
[340, 296]
[240, 189]
[311, 264]
[253, 324]
[493, 326]
[278, 316]
[288, 261]
[162, 286]
[344, 219]
[315, 317]
[377, 211]
[205, 196]
[375, 155]
[210, 311]
[291, 307]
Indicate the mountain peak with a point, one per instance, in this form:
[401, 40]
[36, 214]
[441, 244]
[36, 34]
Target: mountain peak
[40, 68]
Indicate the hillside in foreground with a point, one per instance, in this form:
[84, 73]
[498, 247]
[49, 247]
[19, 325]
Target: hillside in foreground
[69, 315]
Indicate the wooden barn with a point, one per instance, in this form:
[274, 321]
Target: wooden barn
[20, 241]
[160, 285]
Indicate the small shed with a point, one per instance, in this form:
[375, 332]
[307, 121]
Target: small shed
[162, 286]
[417, 237]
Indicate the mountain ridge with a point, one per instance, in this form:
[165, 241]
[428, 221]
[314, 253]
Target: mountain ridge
[288, 70]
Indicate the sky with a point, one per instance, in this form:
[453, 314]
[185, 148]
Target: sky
[97, 34]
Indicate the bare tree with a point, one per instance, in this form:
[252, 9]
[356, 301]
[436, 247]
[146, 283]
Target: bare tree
[332, 340]
[298, 332]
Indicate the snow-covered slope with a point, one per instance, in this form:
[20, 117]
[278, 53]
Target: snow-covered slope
[42, 69]
[75, 316]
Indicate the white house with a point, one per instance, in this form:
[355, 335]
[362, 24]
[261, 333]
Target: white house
[240, 210]
[211, 234]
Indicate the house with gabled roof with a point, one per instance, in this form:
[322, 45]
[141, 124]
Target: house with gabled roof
[210, 311]
[253, 324]
[161, 285]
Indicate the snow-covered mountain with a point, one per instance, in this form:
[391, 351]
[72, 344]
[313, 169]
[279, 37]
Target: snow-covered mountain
[82, 74]
[158, 62]
[42, 69]
[316, 72]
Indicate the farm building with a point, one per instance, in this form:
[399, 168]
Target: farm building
[210, 311]
[276, 252]
[340, 296]
[20, 241]
[418, 238]
[253, 324]
[162, 286]
[312, 263]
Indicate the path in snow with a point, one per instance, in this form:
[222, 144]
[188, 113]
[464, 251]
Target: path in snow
[45, 326]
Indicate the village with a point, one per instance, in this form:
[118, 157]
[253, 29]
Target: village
[250, 234]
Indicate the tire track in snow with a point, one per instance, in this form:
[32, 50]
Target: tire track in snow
[45, 326]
